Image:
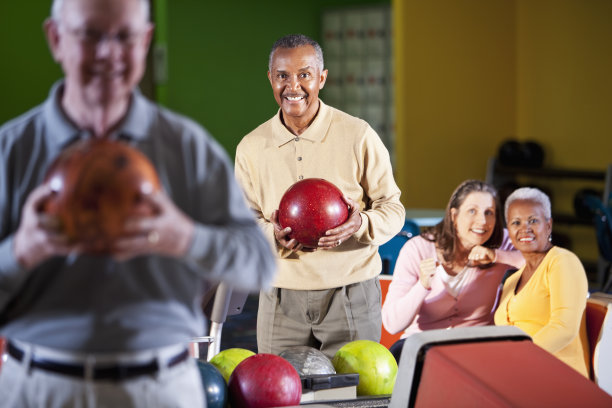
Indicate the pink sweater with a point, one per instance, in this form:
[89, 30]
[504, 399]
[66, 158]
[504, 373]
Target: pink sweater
[412, 308]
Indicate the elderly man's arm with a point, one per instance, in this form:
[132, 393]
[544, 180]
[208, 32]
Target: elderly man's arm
[385, 215]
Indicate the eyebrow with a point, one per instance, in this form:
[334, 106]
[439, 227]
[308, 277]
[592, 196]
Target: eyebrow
[307, 68]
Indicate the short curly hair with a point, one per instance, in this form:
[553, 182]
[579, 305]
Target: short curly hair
[529, 194]
[294, 41]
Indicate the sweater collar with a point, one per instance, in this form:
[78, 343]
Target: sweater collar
[316, 132]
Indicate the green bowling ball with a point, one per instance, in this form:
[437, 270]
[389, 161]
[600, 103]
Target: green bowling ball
[228, 359]
[373, 362]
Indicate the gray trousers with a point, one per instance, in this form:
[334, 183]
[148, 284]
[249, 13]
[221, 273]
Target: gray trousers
[324, 319]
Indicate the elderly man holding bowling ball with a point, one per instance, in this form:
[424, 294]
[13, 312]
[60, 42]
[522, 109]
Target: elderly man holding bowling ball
[111, 328]
[325, 294]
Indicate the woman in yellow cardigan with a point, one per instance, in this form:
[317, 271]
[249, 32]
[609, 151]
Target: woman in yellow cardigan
[546, 298]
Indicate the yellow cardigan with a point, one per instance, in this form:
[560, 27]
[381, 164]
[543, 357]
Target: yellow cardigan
[551, 307]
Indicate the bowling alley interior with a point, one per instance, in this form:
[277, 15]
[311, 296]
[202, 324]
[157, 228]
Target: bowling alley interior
[512, 92]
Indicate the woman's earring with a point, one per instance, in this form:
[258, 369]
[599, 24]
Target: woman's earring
[550, 238]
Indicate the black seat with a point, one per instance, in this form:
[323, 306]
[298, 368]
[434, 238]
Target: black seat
[602, 218]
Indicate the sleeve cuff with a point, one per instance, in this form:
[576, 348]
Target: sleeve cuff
[8, 262]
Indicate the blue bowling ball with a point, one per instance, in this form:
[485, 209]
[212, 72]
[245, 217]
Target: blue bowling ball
[214, 384]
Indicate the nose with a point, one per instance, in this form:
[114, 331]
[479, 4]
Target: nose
[294, 83]
[481, 218]
[108, 46]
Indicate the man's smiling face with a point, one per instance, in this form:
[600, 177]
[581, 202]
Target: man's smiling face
[296, 78]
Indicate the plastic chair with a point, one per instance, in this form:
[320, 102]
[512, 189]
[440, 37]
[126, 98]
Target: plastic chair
[595, 315]
[219, 302]
[602, 218]
[390, 250]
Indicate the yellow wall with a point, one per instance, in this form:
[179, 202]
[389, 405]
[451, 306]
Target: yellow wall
[565, 94]
[472, 73]
[456, 92]
[565, 79]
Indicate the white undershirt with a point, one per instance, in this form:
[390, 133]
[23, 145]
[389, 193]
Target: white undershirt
[453, 283]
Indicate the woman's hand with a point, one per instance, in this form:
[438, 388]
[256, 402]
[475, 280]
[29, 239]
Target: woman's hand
[427, 271]
[480, 255]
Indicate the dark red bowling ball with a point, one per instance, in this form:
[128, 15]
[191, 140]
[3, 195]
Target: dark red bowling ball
[311, 207]
[96, 184]
[264, 380]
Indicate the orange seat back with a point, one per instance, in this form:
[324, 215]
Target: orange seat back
[386, 339]
[595, 315]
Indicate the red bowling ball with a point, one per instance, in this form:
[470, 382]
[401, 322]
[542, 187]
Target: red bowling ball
[97, 184]
[310, 207]
[264, 380]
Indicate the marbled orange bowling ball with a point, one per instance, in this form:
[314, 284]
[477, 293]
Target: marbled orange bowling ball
[97, 184]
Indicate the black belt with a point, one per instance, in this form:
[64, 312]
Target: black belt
[115, 372]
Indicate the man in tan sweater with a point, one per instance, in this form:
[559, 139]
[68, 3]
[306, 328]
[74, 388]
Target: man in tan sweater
[327, 296]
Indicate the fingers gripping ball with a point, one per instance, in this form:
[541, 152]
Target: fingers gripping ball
[373, 362]
[310, 207]
[97, 184]
[264, 380]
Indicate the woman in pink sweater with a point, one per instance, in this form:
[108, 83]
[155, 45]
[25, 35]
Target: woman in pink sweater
[450, 275]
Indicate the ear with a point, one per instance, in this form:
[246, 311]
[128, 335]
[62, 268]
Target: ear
[270, 77]
[149, 35]
[53, 38]
[453, 214]
[322, 79]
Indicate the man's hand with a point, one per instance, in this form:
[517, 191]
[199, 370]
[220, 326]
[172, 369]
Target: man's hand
[167, 232]
[39, 236]
[336, 236]
[282, 236]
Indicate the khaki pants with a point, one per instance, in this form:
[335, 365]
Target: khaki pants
[179, 386]
[325, 319]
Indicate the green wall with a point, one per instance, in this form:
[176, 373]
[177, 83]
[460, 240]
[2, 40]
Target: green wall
[217, 57]
[28, 71]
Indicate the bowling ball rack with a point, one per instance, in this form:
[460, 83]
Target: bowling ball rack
[361, 402]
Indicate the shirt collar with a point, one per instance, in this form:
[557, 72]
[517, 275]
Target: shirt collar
[316, 132]
[133, 127]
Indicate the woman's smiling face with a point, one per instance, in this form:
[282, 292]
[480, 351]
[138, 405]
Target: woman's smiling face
[474, 220]
[528, 226]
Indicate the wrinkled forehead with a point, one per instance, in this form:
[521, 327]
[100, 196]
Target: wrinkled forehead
[526, 207]
[104, 14]
[298, 58]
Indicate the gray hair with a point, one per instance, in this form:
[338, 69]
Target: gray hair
[529, 194]
[58, 5]
[294, 41]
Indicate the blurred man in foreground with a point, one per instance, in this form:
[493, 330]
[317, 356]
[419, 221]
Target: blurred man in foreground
[112, 330]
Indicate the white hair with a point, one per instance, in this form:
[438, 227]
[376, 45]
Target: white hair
[57, 6]
[529, 194]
